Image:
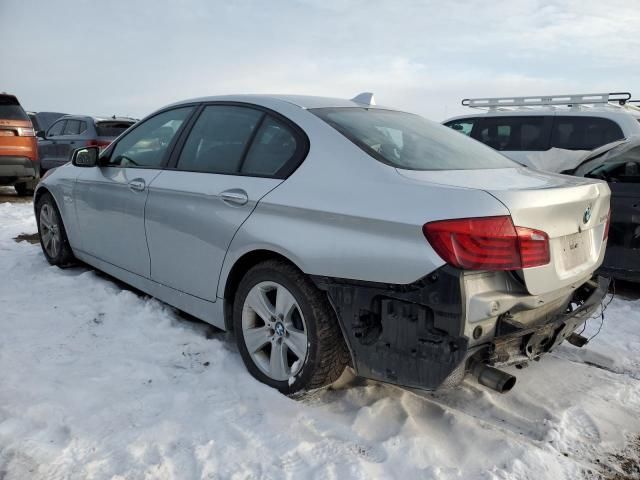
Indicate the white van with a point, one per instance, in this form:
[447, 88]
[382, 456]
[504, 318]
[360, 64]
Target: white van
[552, 132]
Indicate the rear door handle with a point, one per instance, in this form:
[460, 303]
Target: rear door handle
[234, 196]
[137, 185]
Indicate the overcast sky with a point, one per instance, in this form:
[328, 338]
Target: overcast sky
[132, 57]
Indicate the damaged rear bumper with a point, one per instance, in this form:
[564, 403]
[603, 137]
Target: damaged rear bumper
[419, 336]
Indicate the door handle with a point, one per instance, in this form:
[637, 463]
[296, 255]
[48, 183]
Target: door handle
[137, 185]
[235, 196]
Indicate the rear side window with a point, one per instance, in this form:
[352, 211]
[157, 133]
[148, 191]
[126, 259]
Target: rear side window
[408, 141]
[219, 139]
[273, 147]
[464, 125]
[584, 133]
[111, 129]
[10, 109]
[514, 133]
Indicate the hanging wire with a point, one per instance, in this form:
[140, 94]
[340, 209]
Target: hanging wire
[603, 307]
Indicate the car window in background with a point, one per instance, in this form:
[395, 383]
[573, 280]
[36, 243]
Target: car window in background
[10, 109]
[583, 133]
[71, 128]
[408, 141]
[219, 139]
[463, 125]
[514, 133]
[46, 119]
[56, 129]
[111, 128]
[146, 145]
[272, 148]
[624, 168]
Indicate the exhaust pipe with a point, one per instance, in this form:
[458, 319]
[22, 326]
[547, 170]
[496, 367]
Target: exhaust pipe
[491, 377]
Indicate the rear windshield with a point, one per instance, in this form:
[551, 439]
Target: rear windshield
[408, 141]
[111, 129]
[10, 109]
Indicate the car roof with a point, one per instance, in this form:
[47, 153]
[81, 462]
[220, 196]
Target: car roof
[98, 119]
[606, 111]
[302, 101]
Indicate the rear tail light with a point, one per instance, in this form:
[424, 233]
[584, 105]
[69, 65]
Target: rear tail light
[488, 243]
[606, 227]
[98, 143]
[26, 132]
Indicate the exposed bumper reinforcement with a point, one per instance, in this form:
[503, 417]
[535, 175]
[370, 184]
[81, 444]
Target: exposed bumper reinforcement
[413, 335]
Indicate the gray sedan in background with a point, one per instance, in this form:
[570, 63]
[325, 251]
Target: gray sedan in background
[329, 233]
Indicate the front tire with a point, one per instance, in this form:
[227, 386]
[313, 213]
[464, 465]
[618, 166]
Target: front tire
[286, 331]
[53, 236]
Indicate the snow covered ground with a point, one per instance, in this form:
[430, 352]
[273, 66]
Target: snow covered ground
[98, 382]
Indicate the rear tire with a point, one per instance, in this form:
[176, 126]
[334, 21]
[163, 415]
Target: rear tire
[297, 313]
[53, 236]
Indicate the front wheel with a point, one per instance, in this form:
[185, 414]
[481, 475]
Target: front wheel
[286, 331]
[53, 237]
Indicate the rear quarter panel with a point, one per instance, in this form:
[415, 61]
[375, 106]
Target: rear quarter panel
[344, 214]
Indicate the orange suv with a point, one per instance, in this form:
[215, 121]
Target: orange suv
[18, 147]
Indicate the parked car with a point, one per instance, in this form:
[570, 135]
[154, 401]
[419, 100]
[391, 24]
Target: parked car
[41, 121]
[328, 232]
[549, 133]
[18, 147]
[619, 164]
[75, 131]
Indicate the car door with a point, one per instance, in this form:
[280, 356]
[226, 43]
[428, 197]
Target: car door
[47, 148]
[231, 158]
[111, 197]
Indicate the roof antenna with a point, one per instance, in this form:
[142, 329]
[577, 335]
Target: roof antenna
[365, 98]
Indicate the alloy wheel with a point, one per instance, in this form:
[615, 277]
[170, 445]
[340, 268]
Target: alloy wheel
[49, 230]
[274, 330]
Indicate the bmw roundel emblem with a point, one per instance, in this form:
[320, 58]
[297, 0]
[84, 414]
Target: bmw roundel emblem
[587, 215]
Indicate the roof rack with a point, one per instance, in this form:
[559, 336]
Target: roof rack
[573, 99]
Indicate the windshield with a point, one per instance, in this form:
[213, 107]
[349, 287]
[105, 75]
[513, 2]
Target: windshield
[408, 141]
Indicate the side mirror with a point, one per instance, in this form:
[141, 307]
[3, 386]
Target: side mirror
[457, 127]
[85, 157]
[41, 134]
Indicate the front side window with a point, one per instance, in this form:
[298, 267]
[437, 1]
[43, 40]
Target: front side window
[514, 133]
[56, 129]
[464, 125]
[408, 141]
[219, 139]
[147, 145]
[584, 133]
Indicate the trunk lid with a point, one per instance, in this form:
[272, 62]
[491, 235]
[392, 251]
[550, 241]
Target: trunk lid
[572, 211]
